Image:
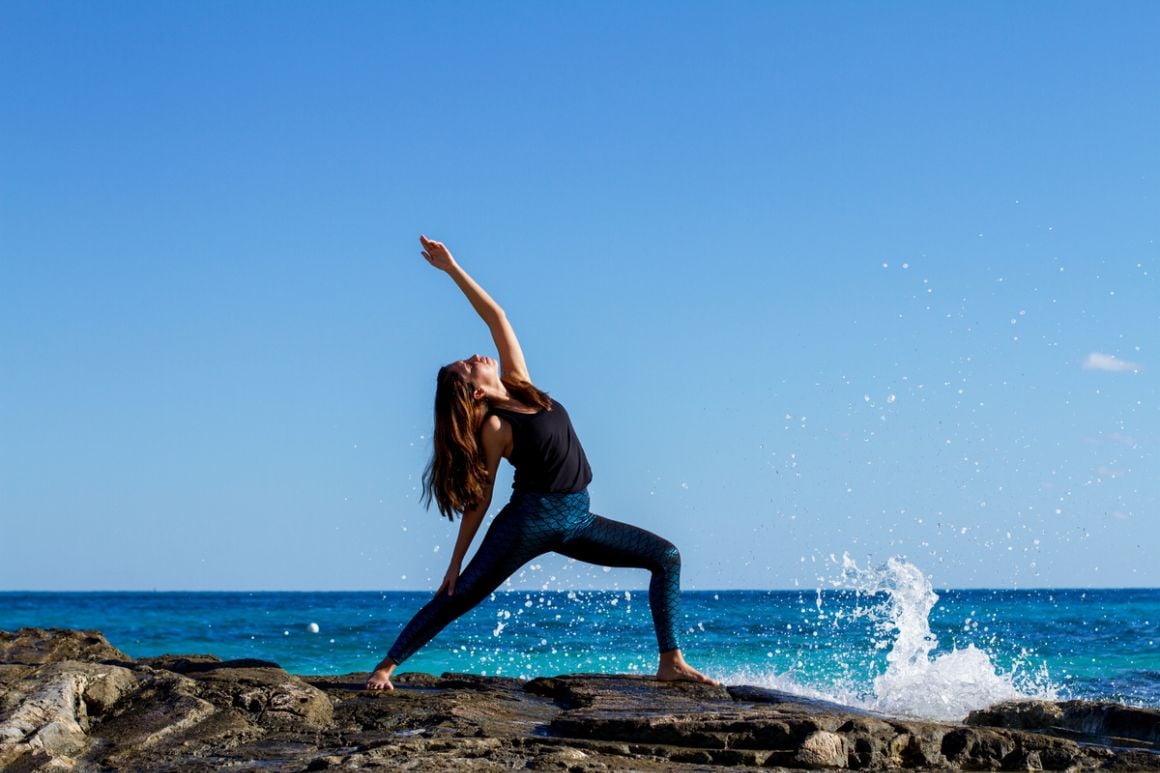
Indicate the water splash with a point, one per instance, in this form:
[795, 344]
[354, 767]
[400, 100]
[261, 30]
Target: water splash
[916, 682]
[873, 648]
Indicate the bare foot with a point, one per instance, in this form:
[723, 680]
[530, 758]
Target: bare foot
[673, 668]
[381, 678]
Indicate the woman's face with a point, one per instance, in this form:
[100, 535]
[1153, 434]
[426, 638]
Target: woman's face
[480, 372]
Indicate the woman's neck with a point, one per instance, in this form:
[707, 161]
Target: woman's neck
[509, 403]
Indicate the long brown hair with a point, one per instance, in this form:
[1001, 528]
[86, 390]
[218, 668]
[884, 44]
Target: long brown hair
[456, 476]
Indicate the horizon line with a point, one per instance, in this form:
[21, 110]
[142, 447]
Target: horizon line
[572, 590]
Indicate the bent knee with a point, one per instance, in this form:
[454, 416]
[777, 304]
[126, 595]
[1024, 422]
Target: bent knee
[670, 557]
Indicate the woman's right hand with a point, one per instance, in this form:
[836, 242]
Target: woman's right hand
[449, 580]
[437, 254]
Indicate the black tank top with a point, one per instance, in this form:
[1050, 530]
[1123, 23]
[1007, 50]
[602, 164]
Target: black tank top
[546, 453]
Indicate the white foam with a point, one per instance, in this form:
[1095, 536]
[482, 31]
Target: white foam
[946, 687]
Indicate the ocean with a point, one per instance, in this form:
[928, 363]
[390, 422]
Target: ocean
[875, 637]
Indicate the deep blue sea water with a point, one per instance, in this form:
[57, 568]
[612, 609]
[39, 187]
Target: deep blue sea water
[890, 647]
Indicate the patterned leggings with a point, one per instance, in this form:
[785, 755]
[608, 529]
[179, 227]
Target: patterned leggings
[533, 524]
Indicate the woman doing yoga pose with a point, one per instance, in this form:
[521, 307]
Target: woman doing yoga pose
[486, 410]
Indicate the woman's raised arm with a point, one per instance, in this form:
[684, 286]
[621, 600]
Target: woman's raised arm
[511, 357]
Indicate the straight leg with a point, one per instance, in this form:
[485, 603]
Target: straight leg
[512, 540]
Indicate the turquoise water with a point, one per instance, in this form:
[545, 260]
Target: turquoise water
[851, 644]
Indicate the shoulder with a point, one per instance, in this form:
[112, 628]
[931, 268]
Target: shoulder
[494, 426]
[496, 434]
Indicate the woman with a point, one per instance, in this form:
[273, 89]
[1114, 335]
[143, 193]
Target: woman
[484, 411]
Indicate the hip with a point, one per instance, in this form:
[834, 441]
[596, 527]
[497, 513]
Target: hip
[564, 511]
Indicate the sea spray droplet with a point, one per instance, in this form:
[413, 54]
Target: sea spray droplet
[313, 627]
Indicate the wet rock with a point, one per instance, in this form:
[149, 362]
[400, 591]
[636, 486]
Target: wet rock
[37, 646]
[1020, 715]
[1089, 721]
[822, 749]
[47, 712]
[164, 706]
[197, 712]
[264, 691]
[977, 749]
[181, 664]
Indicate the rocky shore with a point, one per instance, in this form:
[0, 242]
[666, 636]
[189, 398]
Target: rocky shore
[71, 701]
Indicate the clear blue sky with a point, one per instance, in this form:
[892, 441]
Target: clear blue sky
[811, 278]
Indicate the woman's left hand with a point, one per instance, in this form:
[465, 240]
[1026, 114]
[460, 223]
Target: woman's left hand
[437, 254]
[449, 580]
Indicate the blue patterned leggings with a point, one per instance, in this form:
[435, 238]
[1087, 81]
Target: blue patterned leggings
[533, 524]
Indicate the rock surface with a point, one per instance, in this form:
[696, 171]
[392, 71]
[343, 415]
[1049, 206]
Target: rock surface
[70, 701]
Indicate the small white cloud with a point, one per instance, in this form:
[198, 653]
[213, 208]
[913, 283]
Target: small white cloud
[1122, 439]
[1112, 437]
[1109, 362]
